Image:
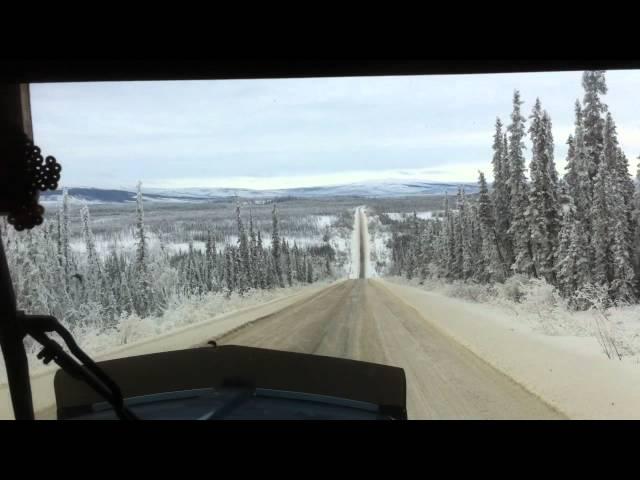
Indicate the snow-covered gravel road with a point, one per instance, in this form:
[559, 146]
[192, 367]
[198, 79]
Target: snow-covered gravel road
[361, 319]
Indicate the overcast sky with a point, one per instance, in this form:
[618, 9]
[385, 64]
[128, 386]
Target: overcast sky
[303, 132]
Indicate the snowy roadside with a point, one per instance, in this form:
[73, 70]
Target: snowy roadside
[567, 370]
[190, 324]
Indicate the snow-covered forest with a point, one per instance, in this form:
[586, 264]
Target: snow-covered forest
[106, 284]
[578, 232]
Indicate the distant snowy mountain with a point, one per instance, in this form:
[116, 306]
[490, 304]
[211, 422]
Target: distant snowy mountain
[98, 195]
[370, 189]
[383, 189]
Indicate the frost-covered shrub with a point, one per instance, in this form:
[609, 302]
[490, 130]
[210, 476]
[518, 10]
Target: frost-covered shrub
[513, 289]
[544, 301]
[133, 328]
[625, 325]
[469, 291]
[596, 299]
[539, 295]
[591, 296]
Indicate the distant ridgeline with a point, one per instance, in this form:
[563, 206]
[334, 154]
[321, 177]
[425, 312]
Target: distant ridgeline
[97, 195]
[365, 190]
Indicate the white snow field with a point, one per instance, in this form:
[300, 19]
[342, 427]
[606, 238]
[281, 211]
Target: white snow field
[569, 372]
[398, 216]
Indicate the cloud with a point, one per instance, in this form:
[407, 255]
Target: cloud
[302, 129]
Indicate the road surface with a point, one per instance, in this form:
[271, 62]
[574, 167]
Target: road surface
[362, 320]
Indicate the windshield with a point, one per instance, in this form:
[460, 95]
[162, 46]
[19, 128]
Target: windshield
[481, 232]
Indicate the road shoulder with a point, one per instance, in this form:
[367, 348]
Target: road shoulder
[581, 385]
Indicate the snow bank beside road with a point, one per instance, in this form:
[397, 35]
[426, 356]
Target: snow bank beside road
[568, 372]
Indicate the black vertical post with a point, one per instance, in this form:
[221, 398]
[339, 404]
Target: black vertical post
[15, 122]
[11, 341]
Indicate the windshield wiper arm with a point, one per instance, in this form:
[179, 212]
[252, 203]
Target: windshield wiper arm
[88, 371]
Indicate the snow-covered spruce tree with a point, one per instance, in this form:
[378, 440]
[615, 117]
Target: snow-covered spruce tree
[506, 166]
[275, 248]
[627, 188]
[93, 279]
[480, 257]
[31, 290]
[327, 267]
[211, 256]
[635, 221]
[501, 197]
[245, 273]
[428, 248]
[59, 250]
[543, 206]
[622, 287]
[304, 268]
[98, 290]
[37, 274]
[228, 271]
[114, 267]
[458, 240]
[572, 263]
[622, 275]
[519, 191]
[261, 263]
[271, 280]
[410, 263]
[571, 175]
[592, 190]
[26, 273]
[491, 251]
[450, 243]
[594, 85]
[579, 182]
[448, 258]
[288, 264]
[600, 224]
[53, 276]
[396, 258]
[298, 263]
[489, 266]
[255, 255]
[466, 240]
[143, 296]
[195, 283]
[411, 260]
[309, 271]
[240, 279]
[441, 248]
[64, 234]
[434, 265]
[420, 248]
